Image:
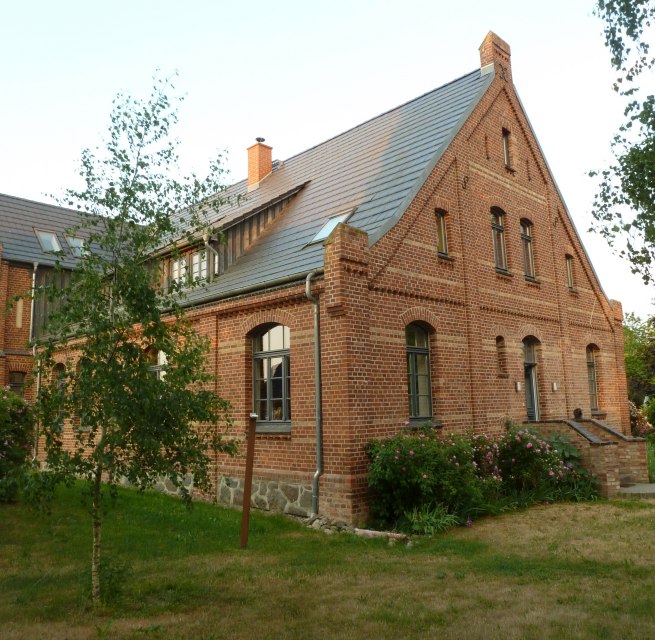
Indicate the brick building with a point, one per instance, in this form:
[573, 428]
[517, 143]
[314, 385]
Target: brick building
[420, 267]
[31, 233]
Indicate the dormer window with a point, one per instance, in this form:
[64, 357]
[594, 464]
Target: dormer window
[178, 270]
[199, 265]
[48, 241]
[76, 245]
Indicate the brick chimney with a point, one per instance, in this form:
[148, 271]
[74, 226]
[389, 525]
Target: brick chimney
[496, 51]
[260, 163]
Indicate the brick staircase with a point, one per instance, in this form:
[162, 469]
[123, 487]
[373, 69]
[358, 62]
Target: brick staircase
[615, 459]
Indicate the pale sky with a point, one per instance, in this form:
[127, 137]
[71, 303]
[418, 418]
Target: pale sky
[296, 73]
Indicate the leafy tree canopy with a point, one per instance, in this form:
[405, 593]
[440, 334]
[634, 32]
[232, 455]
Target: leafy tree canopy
[639, 339]
[624, 205]
[126, 392]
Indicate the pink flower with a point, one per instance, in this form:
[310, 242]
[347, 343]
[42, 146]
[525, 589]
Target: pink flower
[529, 445]
[411, 452]
[406, 423]
[425, 475]
[551, 473]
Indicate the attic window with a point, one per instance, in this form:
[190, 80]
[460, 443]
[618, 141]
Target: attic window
[48, 241]
[330, 225]
[76, 245]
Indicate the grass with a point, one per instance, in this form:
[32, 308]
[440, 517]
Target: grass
[554, 571]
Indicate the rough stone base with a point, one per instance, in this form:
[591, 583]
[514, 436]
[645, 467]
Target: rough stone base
[166, 486]
[268, 495]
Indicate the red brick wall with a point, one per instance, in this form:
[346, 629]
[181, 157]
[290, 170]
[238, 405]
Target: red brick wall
[15, 279]
[370, 295]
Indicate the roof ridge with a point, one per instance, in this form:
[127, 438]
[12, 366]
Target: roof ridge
[367, 121]
[41, 204]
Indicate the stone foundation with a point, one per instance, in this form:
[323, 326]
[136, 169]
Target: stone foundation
[268, 495]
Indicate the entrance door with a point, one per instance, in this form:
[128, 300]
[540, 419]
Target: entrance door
[531, 387]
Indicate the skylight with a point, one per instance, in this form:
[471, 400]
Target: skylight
[76, 244]
[48, 241]
[329, 226]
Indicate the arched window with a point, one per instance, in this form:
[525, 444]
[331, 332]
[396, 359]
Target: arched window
[271, 374]
[570, 280]
[59, 376]
[530, 344]
[498, 233]
[501, 357]
[528, 255]
[442, 232]
[418, 371]
[17, 382]
[592, 376]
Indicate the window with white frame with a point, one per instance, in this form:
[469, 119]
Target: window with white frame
[199, 265]
[179, 270]
[271, 375]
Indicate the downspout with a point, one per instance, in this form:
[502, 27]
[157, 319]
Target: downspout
[35, 450]
[205, 239]
[317, 379]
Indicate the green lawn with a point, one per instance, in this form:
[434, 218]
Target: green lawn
[555, 571]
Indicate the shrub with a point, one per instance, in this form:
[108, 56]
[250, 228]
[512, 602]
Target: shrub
[640, 422]
[419, 477]
[419, 469]
[16, 428]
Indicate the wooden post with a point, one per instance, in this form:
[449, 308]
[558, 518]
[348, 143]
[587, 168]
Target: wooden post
[247, 483]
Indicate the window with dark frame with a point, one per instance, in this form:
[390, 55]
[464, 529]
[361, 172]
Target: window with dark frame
[507, 158]
[528, 254]
[442, 233]
[569, 273]
[501, 357]
[592, 376]
[417, 341]
[271, 375]
[59, 372]
[498, 232]
[17, 382]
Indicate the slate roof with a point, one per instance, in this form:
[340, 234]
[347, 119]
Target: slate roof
[18, 220]
[377, 167]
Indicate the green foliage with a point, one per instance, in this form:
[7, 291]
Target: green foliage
[419, 477]
[114, 411]
[625, 203]
[650, 455]
[429, 521]
[16, 432]
[639, 340]
[418, 470]
[640, 419]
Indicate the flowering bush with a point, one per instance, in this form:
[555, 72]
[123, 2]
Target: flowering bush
[639, 422]
[414, 470]
[16, 424]
[417, 472]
